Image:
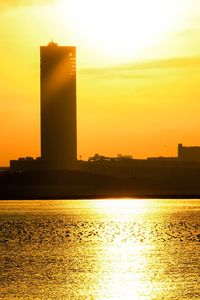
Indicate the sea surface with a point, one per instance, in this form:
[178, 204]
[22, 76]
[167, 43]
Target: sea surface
[100, 249]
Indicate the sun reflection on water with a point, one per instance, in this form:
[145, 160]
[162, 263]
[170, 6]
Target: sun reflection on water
[125, 271]
[122, 208]
[127, 265]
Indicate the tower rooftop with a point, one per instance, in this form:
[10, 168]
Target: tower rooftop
[52, 44]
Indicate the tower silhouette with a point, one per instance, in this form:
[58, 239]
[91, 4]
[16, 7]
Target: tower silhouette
[58, 104]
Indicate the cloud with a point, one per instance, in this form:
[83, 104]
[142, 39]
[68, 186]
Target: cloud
[9, 4]
[112, 73]
[143, 69]
[172, 63]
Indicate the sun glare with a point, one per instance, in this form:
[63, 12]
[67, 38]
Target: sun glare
[122, 208]
[120, 29]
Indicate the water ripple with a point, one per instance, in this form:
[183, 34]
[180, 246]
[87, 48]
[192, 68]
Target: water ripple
[25, 229]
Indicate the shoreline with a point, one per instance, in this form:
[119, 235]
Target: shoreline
[100, 197]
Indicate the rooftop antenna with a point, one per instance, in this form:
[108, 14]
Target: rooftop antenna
[52, 43]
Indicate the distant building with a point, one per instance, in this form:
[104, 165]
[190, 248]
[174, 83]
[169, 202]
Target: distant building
[4, 169]
[58, 105]
[191, 154]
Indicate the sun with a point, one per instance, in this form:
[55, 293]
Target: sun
[121, 29]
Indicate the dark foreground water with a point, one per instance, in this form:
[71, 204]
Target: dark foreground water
[105, 249]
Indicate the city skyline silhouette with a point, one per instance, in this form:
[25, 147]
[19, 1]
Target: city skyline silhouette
[137, 82]
[59, 174]
[58, 125]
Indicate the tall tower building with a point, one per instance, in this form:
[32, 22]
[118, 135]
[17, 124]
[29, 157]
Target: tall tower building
[58, 105]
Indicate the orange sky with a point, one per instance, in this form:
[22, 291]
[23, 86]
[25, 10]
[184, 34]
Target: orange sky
[138, 74]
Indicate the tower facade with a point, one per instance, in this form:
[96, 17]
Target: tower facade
[58, 104]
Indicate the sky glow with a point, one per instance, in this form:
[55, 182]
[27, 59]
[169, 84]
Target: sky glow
[137, 74]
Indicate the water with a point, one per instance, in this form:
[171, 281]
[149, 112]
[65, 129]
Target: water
[100, 249]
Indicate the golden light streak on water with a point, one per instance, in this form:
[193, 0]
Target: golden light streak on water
[123, 273]
[122, 207]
